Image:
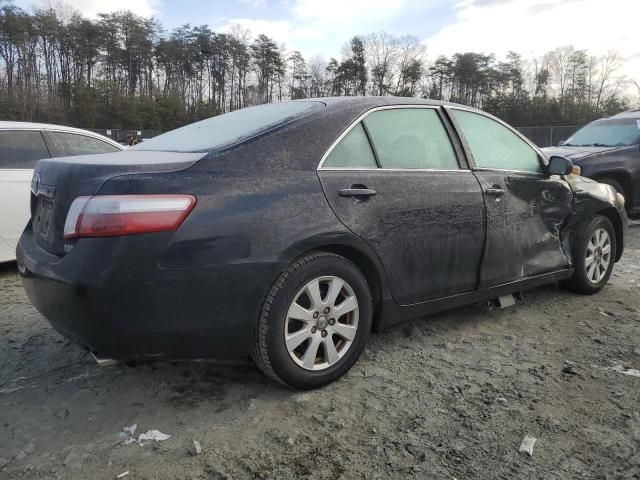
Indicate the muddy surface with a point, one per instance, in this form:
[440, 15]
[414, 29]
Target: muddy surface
[449, 396]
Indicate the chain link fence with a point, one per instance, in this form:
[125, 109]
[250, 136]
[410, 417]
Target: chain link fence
[541, 136]
[548, 136]
[120, 134]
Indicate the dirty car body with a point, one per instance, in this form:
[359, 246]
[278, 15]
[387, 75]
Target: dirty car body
[425, 239]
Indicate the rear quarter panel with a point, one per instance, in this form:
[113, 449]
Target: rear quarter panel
[257, 202]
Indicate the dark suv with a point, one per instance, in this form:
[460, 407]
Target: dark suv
[608, 150]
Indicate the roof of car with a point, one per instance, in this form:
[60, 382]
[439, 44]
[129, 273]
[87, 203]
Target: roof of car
[372, 101]
[633, 113]
[9, 125]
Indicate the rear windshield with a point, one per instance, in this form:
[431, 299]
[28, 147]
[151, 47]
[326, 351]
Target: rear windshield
[225, 129]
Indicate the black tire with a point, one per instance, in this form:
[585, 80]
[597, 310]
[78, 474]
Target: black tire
[269, 349]
[580, 282]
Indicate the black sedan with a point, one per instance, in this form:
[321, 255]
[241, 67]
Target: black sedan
[289, 231]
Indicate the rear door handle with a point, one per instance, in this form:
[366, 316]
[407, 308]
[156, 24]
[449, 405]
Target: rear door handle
[496, 192]
[357, 192]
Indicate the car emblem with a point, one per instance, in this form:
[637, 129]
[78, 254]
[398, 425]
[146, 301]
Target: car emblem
[35, 183]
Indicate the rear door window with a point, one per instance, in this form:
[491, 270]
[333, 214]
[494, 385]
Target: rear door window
[353, 151]
[71, 144]
[21, 149]
[411, 138]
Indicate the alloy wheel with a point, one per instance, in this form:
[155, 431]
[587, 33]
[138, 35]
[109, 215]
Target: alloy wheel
[598, 256]
[321, 323]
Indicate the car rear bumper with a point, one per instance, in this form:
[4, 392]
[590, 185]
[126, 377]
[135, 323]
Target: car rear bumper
[110, 296]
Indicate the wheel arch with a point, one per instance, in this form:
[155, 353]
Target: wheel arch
[612, 214]
[620, 176]
[366, 261]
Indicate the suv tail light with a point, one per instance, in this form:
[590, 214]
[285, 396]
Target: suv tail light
[115, 215]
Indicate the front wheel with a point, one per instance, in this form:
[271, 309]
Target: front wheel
[594, 253]
[314, 322]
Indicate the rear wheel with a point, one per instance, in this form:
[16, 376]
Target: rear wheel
[594, 253]
[314, 322]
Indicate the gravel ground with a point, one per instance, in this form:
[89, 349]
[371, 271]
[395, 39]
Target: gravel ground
[450, 396]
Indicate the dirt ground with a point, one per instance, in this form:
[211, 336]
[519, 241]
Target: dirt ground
[450, 396]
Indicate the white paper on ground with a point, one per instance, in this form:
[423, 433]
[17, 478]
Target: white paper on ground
[627, 371]
[149, 435]
[155, 435]
[131, 430]
[527, 445]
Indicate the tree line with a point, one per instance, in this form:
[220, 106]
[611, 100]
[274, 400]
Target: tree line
[124, 71]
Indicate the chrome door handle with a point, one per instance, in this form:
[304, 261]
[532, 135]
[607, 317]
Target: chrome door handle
[496, 192]
[357, 192]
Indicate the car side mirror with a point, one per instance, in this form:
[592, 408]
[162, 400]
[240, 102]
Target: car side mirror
[559, 165]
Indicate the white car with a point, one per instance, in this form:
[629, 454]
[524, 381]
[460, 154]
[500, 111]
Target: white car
[22, 144]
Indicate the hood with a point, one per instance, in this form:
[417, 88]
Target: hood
[578, 153]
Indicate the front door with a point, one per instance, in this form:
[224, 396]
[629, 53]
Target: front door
[395, 181]
[525, 207]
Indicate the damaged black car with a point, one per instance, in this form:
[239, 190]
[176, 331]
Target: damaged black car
[290, 231]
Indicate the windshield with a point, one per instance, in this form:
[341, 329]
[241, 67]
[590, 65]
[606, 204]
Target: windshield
[225, 129]
[607, 133]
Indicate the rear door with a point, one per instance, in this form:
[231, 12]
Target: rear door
[20, 150]
[395, 180]
[525, 207]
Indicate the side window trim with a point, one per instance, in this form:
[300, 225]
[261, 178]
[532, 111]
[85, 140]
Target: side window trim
[467, 149]
[462, 164]
[46, 144]
[456, 142]
[371, 144]
[51, 145]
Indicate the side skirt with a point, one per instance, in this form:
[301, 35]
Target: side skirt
[392, 313]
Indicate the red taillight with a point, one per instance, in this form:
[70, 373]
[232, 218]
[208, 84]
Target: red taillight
[114, 215]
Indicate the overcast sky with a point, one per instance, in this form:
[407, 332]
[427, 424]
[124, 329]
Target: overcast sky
[530, 27]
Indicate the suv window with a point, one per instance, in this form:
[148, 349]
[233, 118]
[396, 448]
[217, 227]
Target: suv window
[71, 144]
[411, 138]
[495, 146]
[353, 150]
[21, 148]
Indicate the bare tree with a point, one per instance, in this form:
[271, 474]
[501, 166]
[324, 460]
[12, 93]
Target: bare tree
[318, 76]
[382, 51]
[122, 71]
[559, 61]
[410, 65]
[607, 66]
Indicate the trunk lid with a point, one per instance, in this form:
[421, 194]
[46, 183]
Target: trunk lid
[57, 182]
